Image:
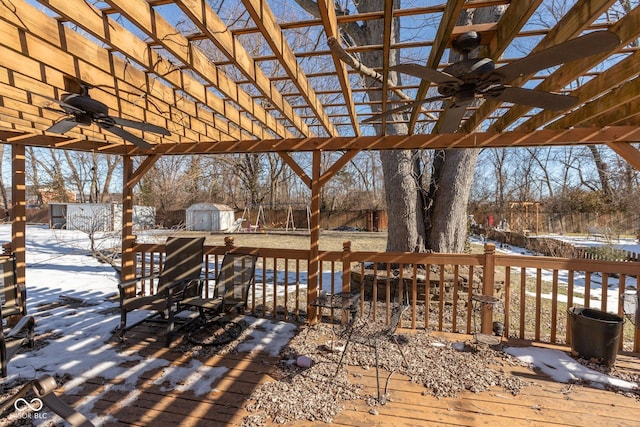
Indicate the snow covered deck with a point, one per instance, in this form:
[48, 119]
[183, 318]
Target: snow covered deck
[167, 395]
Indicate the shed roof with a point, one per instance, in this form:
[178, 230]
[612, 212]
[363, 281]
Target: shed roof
[209, 207]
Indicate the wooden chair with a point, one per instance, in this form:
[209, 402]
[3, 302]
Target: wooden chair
[18, 336]
[231, 291]
[179, 279]
[14, 296]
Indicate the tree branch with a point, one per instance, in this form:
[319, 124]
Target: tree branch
[357, 65]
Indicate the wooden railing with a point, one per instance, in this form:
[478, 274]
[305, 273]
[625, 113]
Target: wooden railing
[534, 292]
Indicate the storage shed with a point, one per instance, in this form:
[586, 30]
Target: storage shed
[209, 217]
[89, 217]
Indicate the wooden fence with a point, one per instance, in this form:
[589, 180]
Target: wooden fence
[534, 292]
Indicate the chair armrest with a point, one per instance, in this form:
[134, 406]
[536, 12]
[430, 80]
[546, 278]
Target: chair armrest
[185, 288]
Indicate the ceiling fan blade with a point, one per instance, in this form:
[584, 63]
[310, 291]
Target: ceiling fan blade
[146, 127]
[63, 126]
[580, 47]
[453, 113]
[427, 74]
[534, 98]
[68, 108]
[141, 143]
[401, 108]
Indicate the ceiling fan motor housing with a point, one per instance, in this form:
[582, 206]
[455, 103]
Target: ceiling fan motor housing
[83, 119]
[466, 42]
[471, 71]
[87, 104]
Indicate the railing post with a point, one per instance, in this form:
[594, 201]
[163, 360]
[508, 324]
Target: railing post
[487, 286]
[346, 266]
[346, 277]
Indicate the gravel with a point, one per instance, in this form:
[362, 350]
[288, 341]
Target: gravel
[320, 392]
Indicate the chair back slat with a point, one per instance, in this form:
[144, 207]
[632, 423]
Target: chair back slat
[236, 276]
[183, 261]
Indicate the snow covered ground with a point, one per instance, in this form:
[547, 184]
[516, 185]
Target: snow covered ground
[59, 264]
[579, 280]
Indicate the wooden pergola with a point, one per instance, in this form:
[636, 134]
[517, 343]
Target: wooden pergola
[179, 65]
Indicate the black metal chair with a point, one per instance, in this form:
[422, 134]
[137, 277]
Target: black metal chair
[371, 336]
[18, 336]
[179, 279]
[14, 296]
[231, 292]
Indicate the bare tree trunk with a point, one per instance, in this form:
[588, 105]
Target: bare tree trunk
[448, 216]
[603, 174]
[404, 202]
[112, 164]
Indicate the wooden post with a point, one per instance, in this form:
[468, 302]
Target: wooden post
[314, 261]
[18, 216]
[128, 270]
[346, 266]
[487, 286]
[346, 278]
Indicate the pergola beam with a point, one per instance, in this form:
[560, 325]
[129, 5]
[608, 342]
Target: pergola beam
[290, 161]
[622, 71]
[627, 152]
[627, 29]
[202, 15]
[447, 23]
[182, 112]
[386, 57]
[162, 76]
[140, 13]
[142, 169]
[544, 137]
[607, 108]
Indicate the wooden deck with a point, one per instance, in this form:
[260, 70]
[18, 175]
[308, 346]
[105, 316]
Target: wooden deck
[545, 403]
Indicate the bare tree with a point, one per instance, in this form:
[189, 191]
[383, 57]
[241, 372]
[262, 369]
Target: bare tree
[169, 185]
[421, 217]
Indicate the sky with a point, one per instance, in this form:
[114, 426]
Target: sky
[59, 265]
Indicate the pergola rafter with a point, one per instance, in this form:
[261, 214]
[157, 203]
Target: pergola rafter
[164, 78]
[627, 28]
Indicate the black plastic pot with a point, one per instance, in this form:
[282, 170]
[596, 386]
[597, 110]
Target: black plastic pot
[595, 334]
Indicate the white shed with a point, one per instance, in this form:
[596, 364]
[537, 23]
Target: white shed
[90, 217]
[209, 217]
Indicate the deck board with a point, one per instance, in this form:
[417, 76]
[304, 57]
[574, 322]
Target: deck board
[544, 403]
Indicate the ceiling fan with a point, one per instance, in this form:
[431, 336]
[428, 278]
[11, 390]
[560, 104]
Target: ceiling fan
[464, 81]
[81, 109]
